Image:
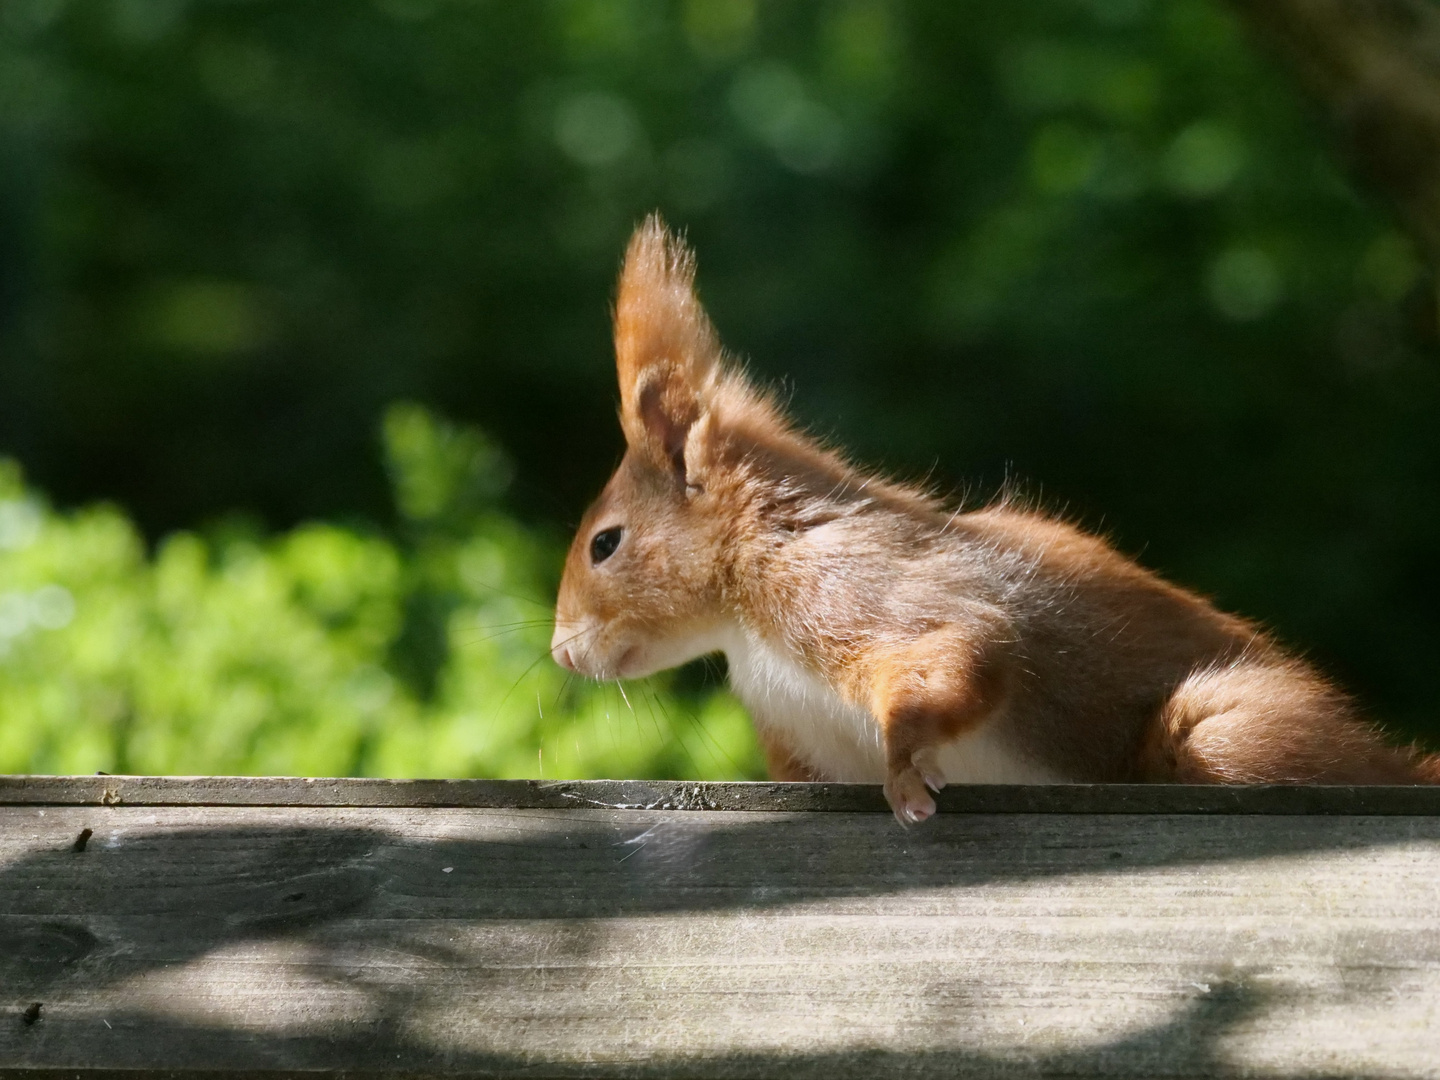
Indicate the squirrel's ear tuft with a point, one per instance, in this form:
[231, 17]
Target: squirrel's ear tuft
[666, 351]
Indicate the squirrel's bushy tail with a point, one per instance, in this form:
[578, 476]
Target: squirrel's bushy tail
[1427, 767]
[1272, 722]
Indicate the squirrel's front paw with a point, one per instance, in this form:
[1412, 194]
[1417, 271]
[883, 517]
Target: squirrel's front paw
[908, 796]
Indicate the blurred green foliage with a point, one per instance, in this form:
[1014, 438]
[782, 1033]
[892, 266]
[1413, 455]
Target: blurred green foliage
[323, 651]
[1095, 248]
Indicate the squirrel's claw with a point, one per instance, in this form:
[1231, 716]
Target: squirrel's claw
[906, 793]
[928, 762]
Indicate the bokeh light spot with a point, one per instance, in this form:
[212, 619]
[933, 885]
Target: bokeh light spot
[1244, 284]
[202, 317]
[596, 129]
[52, 607]
[1063, 159]
[719, 29]
[1204, 159]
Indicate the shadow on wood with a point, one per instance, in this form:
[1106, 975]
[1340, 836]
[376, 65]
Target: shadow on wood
[679, 943]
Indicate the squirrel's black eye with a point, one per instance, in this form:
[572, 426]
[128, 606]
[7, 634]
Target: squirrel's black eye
[604, 544]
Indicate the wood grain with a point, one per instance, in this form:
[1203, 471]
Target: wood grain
[103, 790]
[537, 942]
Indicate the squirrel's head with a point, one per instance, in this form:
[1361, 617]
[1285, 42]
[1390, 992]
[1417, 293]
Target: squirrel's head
[642, 586]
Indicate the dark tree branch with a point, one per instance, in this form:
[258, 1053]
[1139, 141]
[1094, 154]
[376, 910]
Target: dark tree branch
[1374, 65]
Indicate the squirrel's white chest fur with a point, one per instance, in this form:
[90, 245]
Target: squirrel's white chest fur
[842, 741]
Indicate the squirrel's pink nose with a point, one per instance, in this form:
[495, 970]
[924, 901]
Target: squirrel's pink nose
[560, 648]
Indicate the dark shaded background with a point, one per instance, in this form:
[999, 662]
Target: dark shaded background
[1097, 249]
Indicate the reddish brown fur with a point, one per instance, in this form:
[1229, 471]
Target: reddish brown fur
[868, 602]
[781, 762]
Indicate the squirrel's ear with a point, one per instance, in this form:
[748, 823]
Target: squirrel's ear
[666, 351]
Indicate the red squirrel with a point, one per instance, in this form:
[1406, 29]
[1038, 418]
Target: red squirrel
[878, 635]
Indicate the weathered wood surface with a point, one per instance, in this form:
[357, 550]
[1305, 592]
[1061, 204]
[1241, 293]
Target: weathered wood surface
[104, 790]
[542, 942]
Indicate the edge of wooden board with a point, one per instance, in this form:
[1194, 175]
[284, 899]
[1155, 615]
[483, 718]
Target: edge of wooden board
[102, 790]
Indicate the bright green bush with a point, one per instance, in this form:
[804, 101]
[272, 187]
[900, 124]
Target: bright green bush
[325, 650]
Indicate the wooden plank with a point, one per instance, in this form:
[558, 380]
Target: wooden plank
[284, 940]
[103, 790]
